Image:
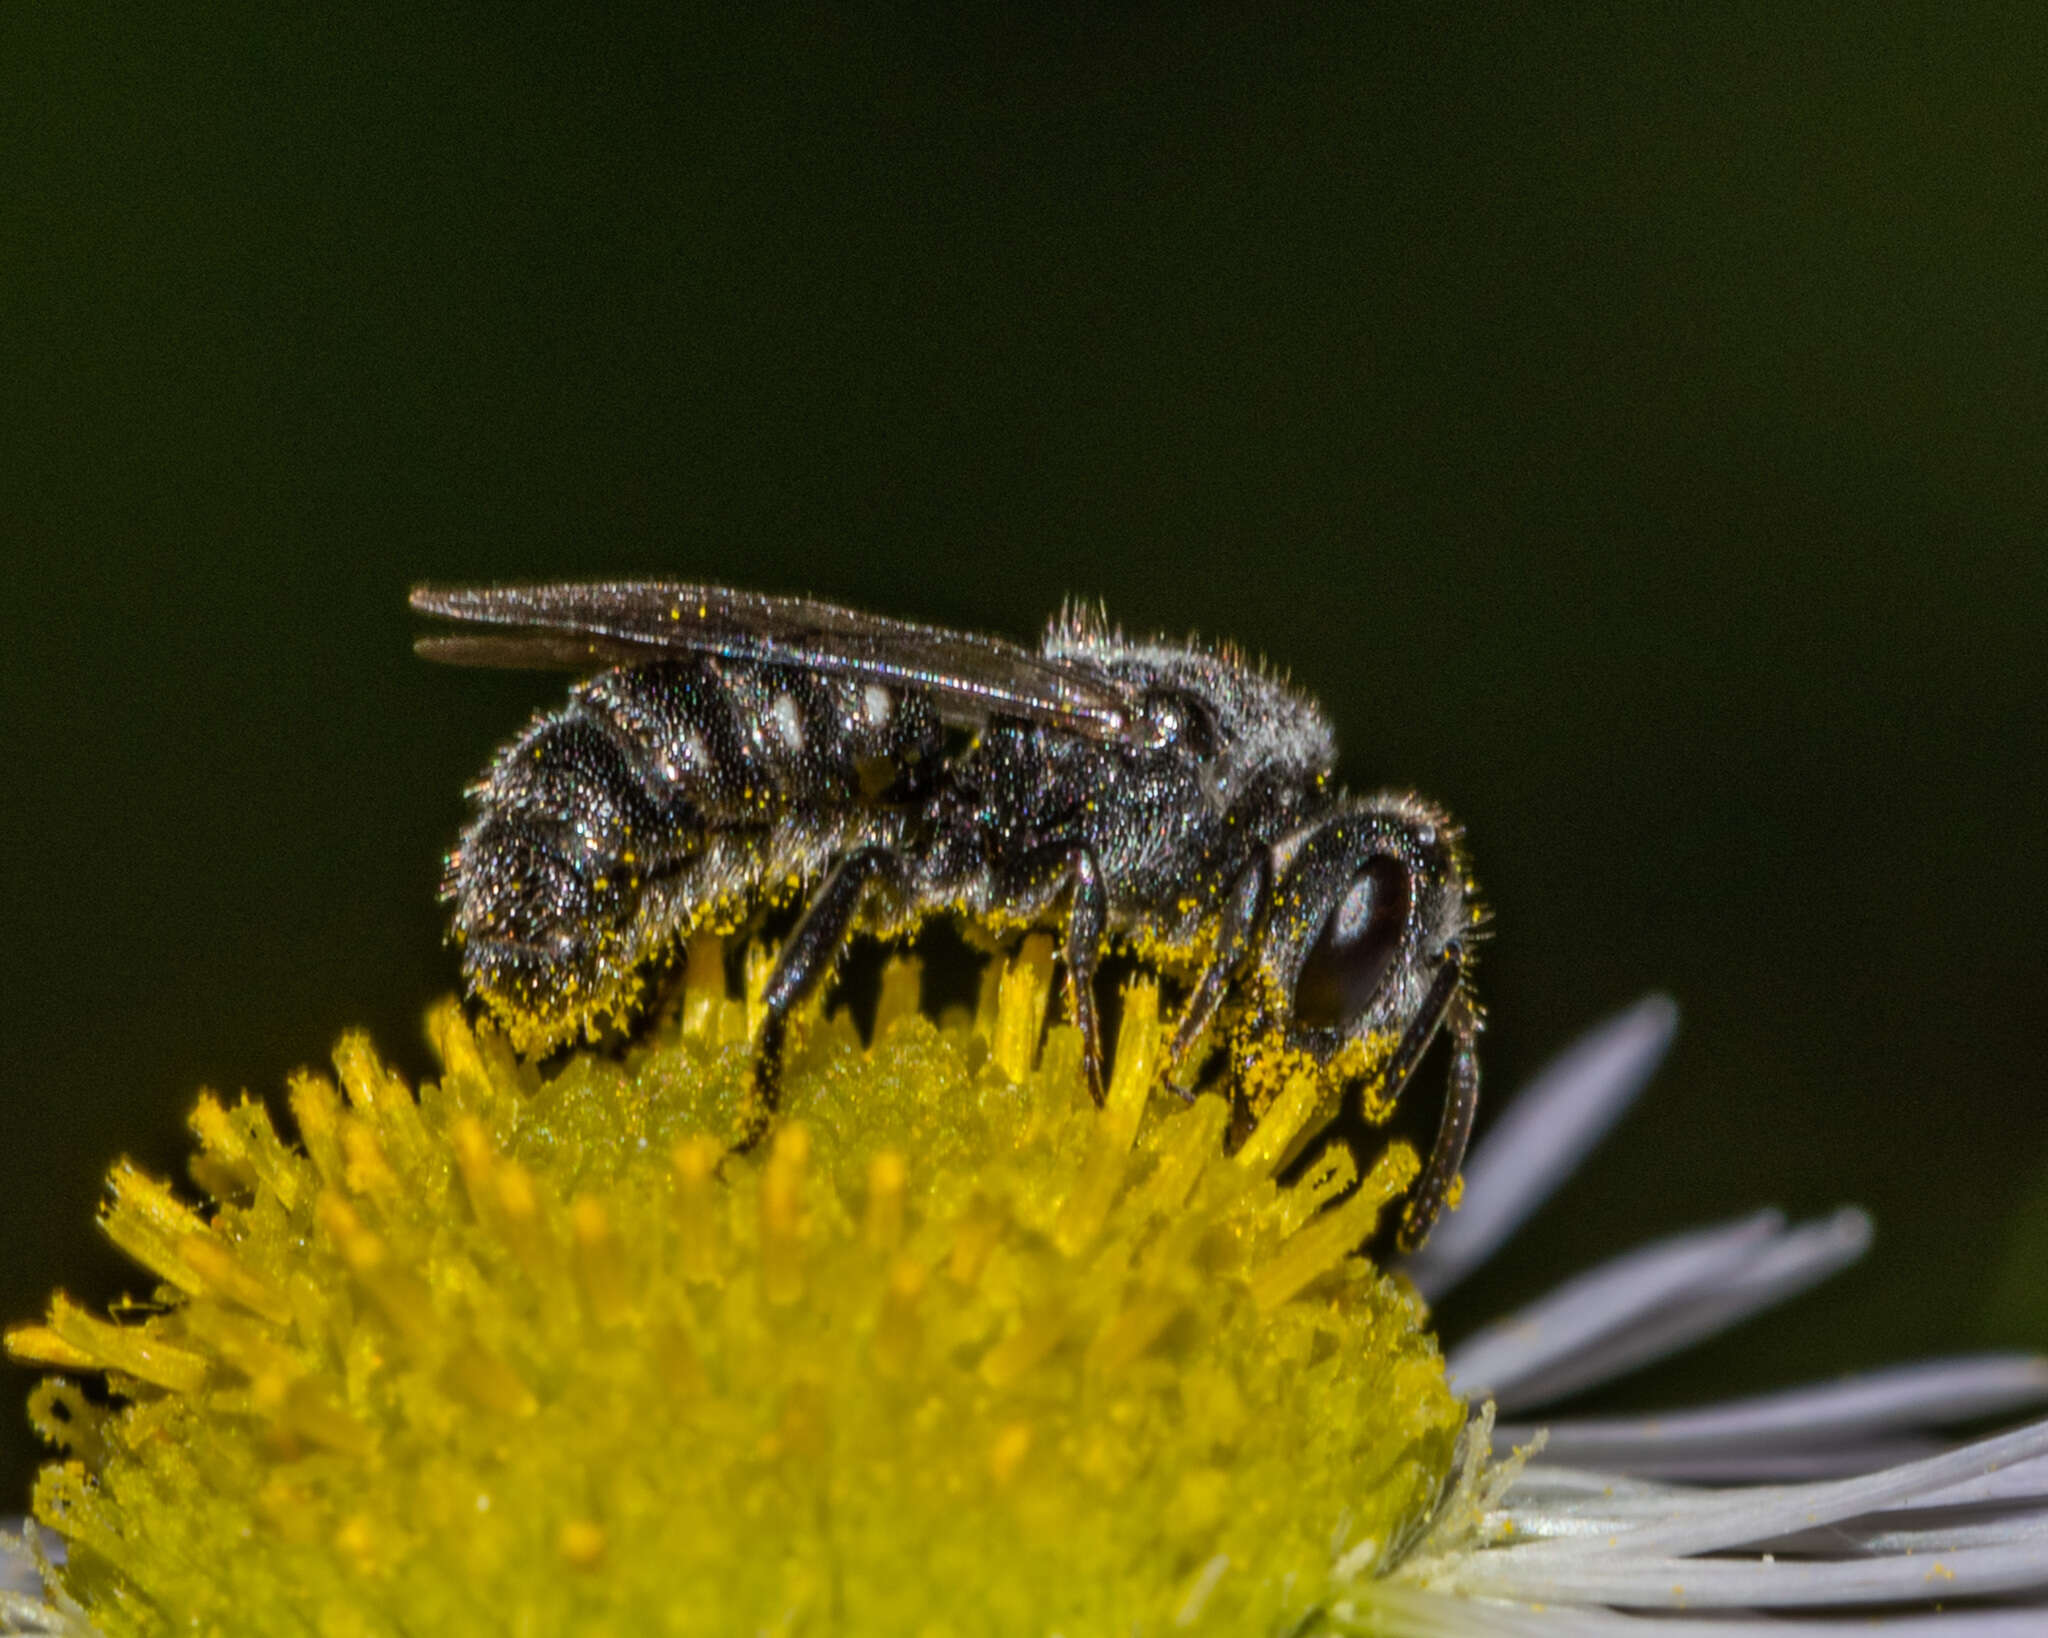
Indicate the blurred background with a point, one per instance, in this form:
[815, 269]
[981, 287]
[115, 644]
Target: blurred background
[1633, 428]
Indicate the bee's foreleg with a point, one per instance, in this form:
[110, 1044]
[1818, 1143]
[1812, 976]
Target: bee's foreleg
[1454, 1126]
[806, 960]
[1237, 929]
[1073, 867]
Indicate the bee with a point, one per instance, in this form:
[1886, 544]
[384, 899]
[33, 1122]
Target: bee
[729, 748]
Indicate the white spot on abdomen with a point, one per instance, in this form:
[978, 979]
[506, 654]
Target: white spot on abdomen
[787, 722]
[691, 756]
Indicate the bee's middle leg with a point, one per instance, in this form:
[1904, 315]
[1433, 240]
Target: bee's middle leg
[806, 961]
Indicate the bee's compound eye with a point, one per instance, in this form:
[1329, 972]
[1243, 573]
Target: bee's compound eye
[1351, 954]
[1179, 718]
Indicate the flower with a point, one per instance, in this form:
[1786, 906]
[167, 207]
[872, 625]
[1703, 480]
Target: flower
[1839, 1497]
[953, 1353]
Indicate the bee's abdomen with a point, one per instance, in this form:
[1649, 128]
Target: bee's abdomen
[658, 797]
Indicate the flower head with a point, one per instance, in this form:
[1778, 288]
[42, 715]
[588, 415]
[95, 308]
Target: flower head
[952, 1351]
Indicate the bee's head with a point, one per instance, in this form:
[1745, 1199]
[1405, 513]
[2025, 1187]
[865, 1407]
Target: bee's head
[1363, 956]
[1368, 937]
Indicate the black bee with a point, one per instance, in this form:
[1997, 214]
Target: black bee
[733, 747]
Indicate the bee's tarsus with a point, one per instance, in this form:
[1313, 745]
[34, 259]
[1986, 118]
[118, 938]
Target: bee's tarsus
[1454, 1126]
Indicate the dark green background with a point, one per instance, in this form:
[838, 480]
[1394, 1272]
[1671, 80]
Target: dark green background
[1633, 428]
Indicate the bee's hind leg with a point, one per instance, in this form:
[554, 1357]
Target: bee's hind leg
[806, 960]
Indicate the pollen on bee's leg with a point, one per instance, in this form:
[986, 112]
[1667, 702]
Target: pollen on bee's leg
[704, 990]
[902, 993]
[1020, 1007]
[782, 1215]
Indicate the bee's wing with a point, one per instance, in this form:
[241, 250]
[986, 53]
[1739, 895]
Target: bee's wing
[579, 627]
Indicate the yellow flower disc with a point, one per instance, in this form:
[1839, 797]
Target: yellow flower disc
[953, 1352]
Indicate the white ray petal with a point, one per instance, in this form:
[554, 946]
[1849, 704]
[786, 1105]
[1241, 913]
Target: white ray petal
[1542, 1135]
[1659, 1582]
[1925, 1394]
[1780, 1267]
[1409, 1612]
[2016, 1481]
[1613, 1296]
[1754, 1466]
[1707, 1521]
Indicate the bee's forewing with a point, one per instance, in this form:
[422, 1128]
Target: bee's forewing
[570, 626]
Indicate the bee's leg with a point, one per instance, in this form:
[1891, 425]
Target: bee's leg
[1244, 913]
[1039, 878]
[1461, 1097]
[1087, 923]
[806, 960]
